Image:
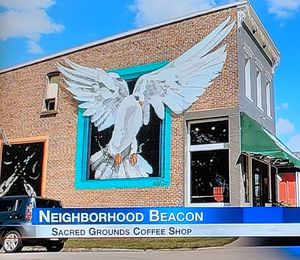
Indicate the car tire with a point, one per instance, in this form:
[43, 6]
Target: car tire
[55, 247]
[12, 242]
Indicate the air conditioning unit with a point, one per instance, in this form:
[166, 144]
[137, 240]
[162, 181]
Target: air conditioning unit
[52, 90]
[50, 100]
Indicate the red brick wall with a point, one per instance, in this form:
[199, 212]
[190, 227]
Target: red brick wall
[22, 91]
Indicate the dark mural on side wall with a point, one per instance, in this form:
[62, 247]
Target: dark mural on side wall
[21, 169]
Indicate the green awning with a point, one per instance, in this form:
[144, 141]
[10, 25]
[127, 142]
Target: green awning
[259, 141]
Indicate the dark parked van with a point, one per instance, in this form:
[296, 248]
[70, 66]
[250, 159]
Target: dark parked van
[16, 229]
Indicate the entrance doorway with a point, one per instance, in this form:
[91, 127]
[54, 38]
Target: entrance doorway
[260, 180]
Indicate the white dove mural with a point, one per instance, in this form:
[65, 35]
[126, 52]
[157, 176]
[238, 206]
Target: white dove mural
[106, 100]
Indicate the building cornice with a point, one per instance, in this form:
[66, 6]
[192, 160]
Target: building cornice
[247, 16]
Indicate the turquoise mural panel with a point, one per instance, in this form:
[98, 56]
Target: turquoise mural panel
[83, 139]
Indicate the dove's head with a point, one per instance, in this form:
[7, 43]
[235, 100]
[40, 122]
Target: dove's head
[140, 99]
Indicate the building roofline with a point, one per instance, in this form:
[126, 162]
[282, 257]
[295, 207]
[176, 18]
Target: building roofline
[248, 16]
[124, 34]
[264, 29]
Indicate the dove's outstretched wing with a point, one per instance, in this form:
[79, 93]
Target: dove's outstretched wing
[182, 81]
[100, 93]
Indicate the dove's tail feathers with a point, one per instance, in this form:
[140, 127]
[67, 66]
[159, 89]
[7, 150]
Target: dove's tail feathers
[141, 169]
[105, 168]
[144, 165]
[102, 163]
[96, 160]
[104, 171]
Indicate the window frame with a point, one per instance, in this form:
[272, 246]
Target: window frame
[259, 74]
[268, 99]
[83, 135]
[248, 54]
[203, 147]
[45, 110]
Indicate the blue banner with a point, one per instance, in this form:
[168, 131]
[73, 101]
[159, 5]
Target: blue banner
[160, 216]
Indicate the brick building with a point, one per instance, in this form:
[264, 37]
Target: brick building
[52, 140]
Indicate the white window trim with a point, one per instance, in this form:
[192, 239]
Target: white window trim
[208, 147]
[202, 147]
[268, 99]
[51, 93]
[259, 91]
[248, 50]
[268, 76]
[259, 64]
[247, 78]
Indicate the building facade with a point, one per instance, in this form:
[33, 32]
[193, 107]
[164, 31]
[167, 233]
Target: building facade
[205, 156]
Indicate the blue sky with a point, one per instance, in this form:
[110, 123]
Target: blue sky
[31, 29]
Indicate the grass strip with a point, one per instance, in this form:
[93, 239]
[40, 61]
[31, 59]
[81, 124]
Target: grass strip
[148, 243]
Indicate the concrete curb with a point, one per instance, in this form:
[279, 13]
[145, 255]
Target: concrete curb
[134, 250]
[42, 249]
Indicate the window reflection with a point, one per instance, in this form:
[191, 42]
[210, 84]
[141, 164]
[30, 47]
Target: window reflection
[209, 176]
[209, 133]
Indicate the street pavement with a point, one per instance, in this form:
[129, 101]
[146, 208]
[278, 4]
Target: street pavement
[241, 249]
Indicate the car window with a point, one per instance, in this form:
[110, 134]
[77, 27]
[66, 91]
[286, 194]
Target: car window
[41, 203]
[9, 205]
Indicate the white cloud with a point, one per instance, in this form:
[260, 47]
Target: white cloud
[283, 106]
[283, 8]
[284, 126]
[26, 4]
[294, 143]
[153, 11]
[28, 19]
[34, 47]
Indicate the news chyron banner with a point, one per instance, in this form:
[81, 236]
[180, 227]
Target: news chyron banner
[166, 222]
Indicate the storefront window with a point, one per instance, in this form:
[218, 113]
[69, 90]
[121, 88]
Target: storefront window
[209, 176]
[209, 162]
[209, 133]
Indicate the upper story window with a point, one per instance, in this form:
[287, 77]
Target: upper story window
[258, 89]
[259, 84]
[268, 98]
[248, 77]
[51, 97]
[247, 72]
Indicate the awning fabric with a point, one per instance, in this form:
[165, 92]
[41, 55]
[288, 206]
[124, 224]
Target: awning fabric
[258, 141]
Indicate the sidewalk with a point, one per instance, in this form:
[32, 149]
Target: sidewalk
[265, 241]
